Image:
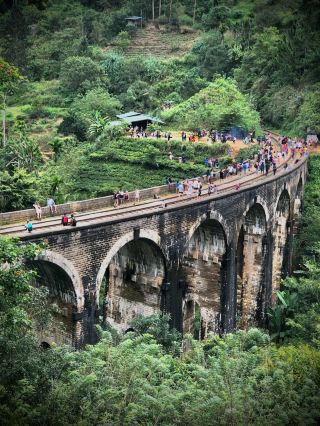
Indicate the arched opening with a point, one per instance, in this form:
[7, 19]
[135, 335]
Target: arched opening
[297, 206]
[204, 269]
[132, 284]
[239, 269]
[251, 255]
[60, 328]
[281, 254]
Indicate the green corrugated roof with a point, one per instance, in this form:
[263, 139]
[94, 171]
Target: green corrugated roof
[128, 114]
[142, 117]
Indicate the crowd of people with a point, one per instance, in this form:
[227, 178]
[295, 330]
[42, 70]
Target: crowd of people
[122, 197]
[266, 161]
[65, 220]
[208, 136]
[268, 158]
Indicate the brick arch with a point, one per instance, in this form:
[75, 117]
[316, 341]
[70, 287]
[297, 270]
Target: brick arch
[147, 234]
[251, 263]
[281, 239]
[257, 200]
[210, 215]
[299, 187]
[204, 269]
[284, 191]
[69, 269]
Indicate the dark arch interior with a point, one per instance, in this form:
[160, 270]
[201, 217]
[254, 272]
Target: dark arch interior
[299, 189]
[281, 241]
[283, 206]
[239, 267]
[45, 345]
[209, 235]
[62, 294]
[204, 270]
[251, 267]
[255, 220]
[132, 283]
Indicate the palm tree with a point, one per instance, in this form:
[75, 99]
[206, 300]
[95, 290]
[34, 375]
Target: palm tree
[56, 145]
[97, 125]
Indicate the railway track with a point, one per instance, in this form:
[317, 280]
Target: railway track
[147, 207]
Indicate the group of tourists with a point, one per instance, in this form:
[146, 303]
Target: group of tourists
[123, 197]
[208, 136]
[268, 158]
[65, 220]
[140, 132]
[50, 204]
[191, 187]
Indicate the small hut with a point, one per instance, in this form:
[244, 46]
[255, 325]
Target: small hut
[134, 20]
[137, 119]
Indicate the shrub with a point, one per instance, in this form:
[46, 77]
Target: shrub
[185, 20]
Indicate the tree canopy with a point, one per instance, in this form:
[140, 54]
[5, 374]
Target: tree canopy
[218, 106]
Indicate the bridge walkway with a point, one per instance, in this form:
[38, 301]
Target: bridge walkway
[149, 206]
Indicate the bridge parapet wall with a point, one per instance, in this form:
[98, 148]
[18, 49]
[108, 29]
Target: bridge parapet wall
[81, 206]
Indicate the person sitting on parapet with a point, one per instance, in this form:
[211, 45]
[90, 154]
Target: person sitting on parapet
[38, 209]
[64, 220]
[52, 205]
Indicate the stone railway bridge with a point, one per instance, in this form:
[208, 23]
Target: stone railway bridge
[216, 261]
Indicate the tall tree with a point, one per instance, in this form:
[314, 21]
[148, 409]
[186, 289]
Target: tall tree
[9, 76]
[194, 11]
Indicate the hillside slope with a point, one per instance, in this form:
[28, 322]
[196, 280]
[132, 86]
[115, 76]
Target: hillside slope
[160, 43]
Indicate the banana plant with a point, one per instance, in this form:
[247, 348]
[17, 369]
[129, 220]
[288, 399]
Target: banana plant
[278, 315]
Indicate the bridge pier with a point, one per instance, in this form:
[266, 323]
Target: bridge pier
[266, 296]
[229, 291]
[174, 295]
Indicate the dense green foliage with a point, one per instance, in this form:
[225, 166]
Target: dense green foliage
[73, 54]
[296, 317]
[250, 59]
[218, 106]
[126, 163]
[144, 377]
[149, 376]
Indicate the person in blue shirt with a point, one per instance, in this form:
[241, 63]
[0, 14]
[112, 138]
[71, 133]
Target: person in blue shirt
[28, 226]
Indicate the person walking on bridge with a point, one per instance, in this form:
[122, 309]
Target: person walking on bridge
[267, 167]
[136, 196]
[274, 167]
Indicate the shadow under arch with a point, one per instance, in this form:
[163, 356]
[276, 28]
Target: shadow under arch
[130, 279]
[251, 264]
[147, 234]
[68, 267]
[64, 290]
[204, 270]
[213, 215]
[281, 202]
[255, 201]
[281, 261]
[298, 198]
